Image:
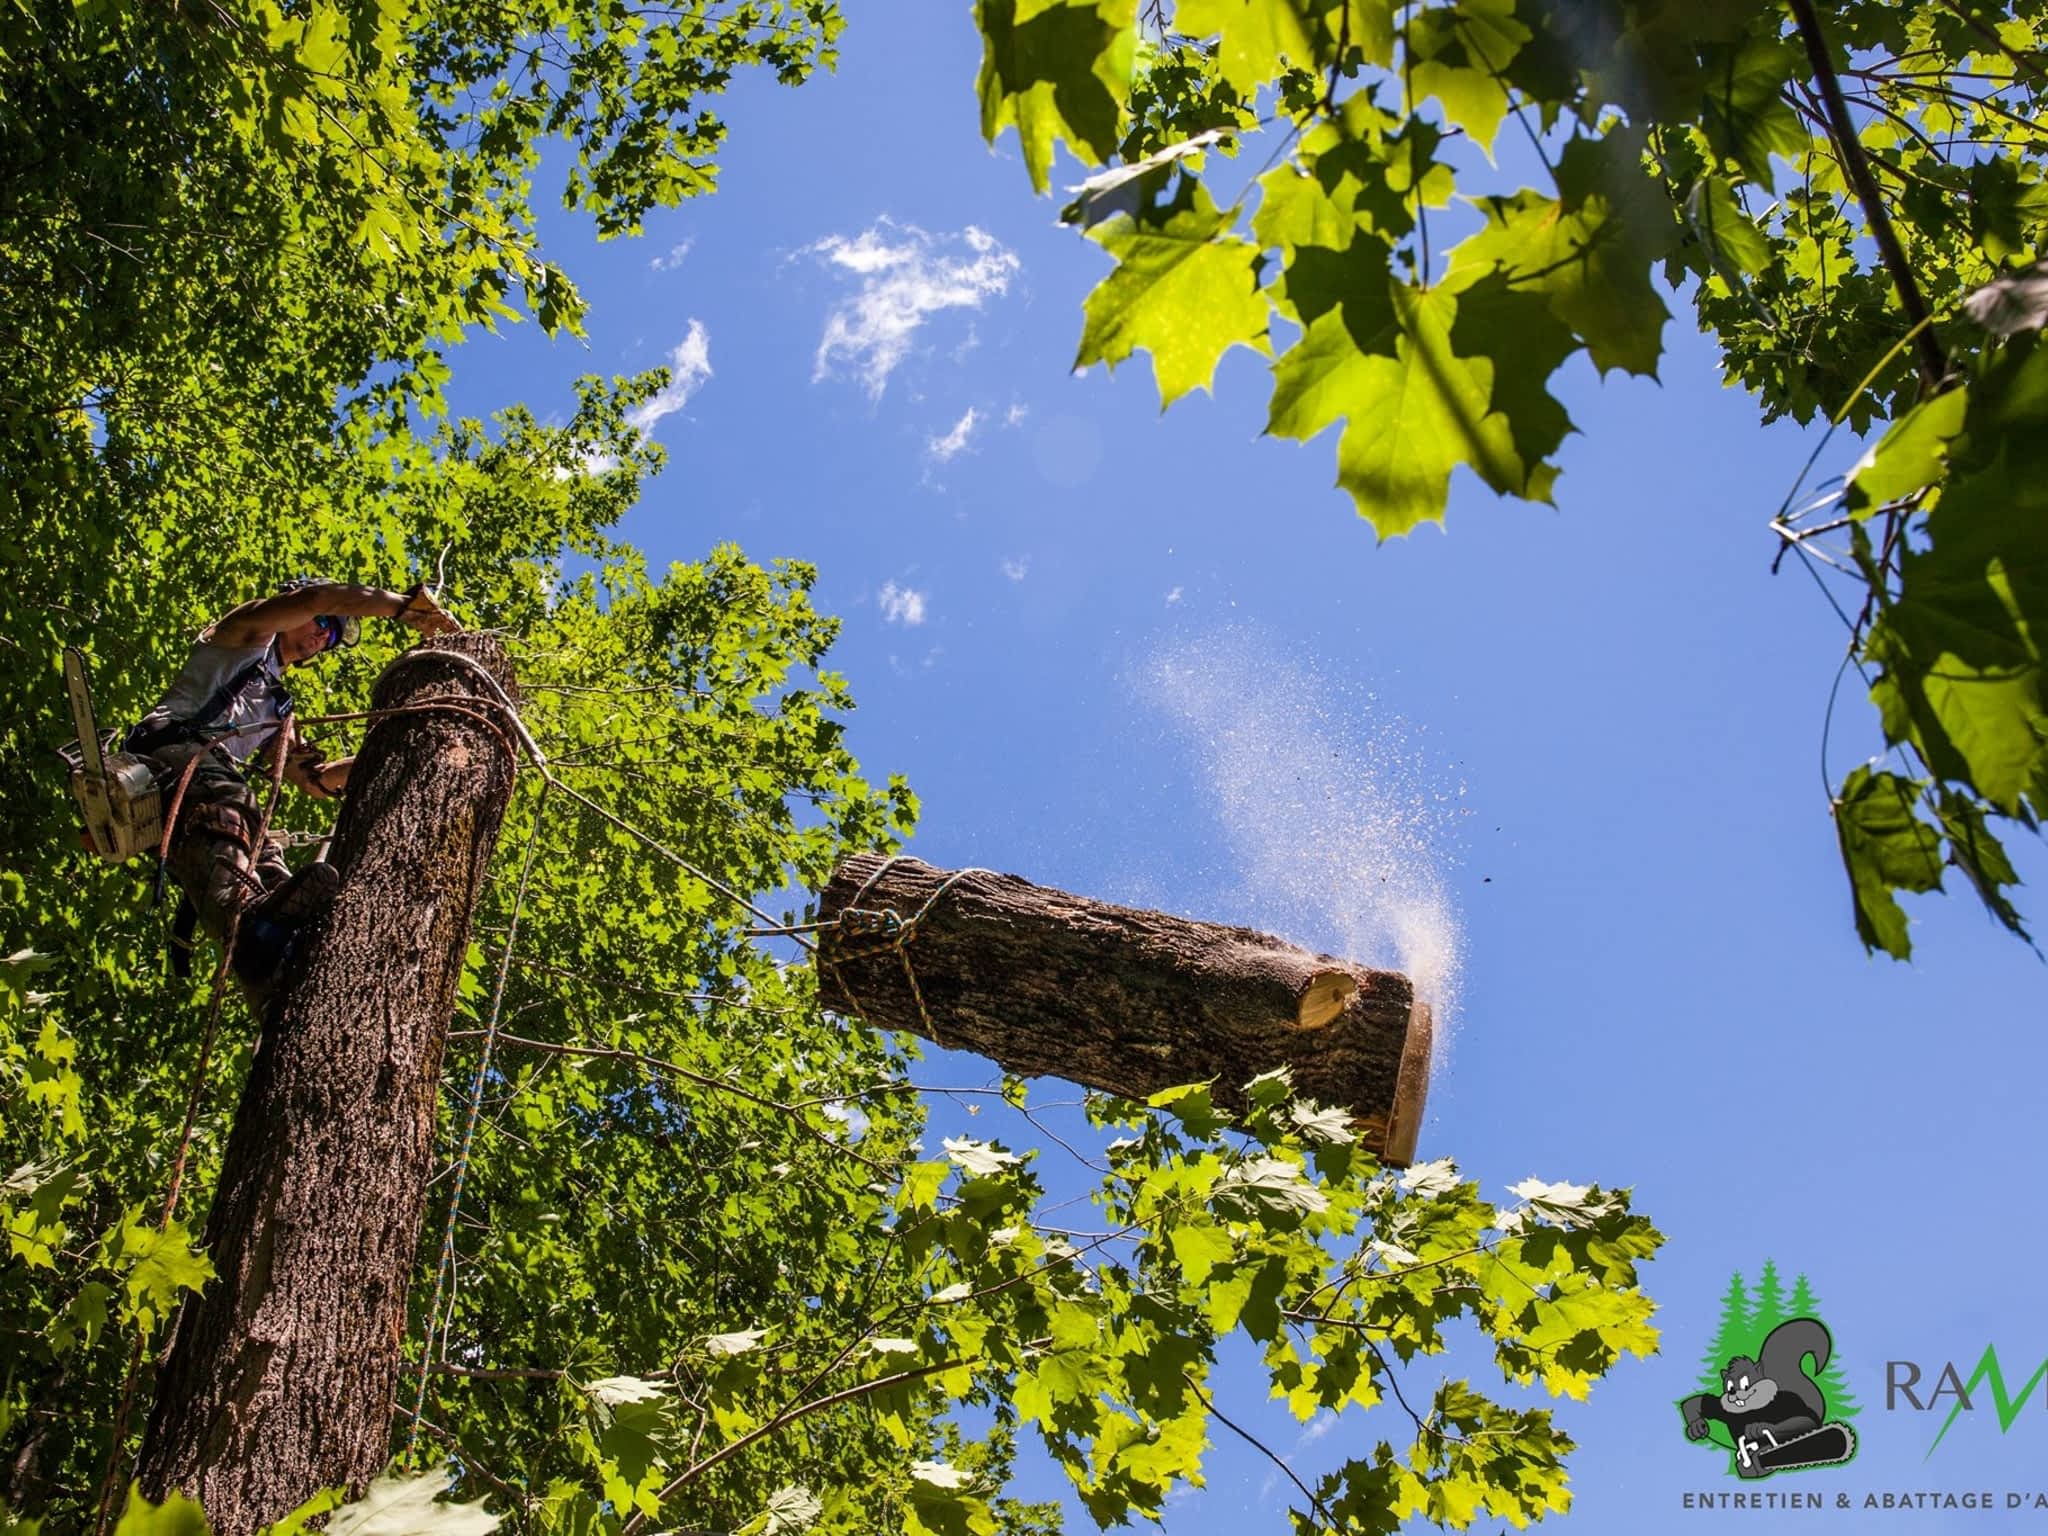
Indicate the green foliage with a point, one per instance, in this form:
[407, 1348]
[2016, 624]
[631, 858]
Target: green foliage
[1692, 144]
[1178, 292]
[707, 1278]
[1281, 1230]
[394, 1505]
[1886, 848]
[233, 254]
[176, 1516]
[1056, 71]
[1958, 578]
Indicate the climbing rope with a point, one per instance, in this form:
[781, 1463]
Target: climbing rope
[446, 1263]
[504, 702]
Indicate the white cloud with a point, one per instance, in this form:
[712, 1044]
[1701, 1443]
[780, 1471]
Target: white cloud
[906, 276]
[1016, 415]
[1016, 570]
[674, 258]
[688, 367]
[944, 448]
[901, 605]
[1174, 595]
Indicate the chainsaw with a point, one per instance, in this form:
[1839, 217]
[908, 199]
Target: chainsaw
[116, 792]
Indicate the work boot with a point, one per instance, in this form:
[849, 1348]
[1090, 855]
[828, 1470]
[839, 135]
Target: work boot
[271, 870]
[264, 938]
[214, 874]
[298, 898]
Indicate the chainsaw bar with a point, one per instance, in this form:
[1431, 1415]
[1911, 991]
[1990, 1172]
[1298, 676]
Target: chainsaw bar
[81, 712]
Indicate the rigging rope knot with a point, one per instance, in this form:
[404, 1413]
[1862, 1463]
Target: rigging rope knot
[892, 933]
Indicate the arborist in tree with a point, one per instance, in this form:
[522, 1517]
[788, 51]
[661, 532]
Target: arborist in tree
[227, 707]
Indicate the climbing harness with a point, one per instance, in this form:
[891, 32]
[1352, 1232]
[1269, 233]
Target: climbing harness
[115, 785]
[256, 682]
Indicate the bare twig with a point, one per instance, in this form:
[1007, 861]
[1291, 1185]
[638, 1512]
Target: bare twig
[496, 1372]
[880, 1384]
[1856, 166]
[1262, 1448]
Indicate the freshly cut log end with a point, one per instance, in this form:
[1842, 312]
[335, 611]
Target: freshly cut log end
[1411, 1088]
[1049, 984]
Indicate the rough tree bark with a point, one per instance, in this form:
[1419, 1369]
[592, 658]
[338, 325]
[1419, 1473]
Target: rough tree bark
[1049, 984]
[281, 1375]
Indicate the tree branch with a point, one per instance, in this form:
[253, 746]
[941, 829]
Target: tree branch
[1263, 1449]
[1933, 364]
[879, 1384]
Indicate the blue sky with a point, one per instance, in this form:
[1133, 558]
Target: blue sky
[1565, 763]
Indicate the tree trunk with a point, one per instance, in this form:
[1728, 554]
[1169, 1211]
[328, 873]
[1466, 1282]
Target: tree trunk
[281, 1375]
[1048, 984]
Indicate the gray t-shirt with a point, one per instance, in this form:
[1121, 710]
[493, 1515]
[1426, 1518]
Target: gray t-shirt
[242, 684]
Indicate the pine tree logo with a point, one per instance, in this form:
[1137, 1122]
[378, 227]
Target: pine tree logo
[1774, 1396]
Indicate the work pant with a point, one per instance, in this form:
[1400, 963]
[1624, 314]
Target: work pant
[213, 857]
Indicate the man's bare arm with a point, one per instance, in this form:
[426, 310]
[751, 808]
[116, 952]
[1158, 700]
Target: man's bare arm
[255, 622]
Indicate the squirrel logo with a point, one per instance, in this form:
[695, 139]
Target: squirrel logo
[1772, 1404]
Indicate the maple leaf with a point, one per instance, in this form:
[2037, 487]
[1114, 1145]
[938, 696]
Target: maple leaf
[1886, 847]
[1184, 290]
[1055, 70]
[1382, 362]
[1459, 55]
[396, 1505]
[1588, 252]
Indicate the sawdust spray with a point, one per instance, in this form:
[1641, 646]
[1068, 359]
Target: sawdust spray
[1342, 828]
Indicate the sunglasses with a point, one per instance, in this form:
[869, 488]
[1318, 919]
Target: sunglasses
[338, 630]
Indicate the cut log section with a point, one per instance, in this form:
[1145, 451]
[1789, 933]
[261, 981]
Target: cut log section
[1048, 984]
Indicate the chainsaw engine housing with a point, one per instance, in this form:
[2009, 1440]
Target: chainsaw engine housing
[122, 807]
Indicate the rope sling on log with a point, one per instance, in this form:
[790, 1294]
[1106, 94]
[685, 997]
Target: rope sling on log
[1045, 983]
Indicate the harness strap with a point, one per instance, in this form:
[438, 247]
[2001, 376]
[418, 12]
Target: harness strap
[196, 727]
[184, 939]
[225, 694]
[225, 821]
